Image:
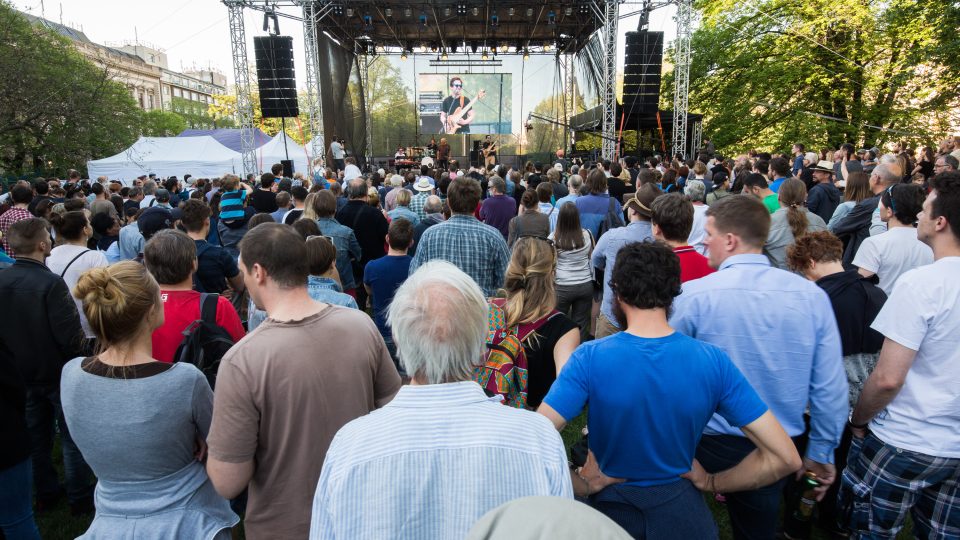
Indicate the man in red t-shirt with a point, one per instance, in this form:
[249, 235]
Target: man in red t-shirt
[171, 257]
[672, 220]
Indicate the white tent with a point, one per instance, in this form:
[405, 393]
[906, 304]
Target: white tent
[273, 152]
[169, 156]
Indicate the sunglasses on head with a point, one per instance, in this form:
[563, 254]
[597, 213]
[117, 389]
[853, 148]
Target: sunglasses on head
[890, 196]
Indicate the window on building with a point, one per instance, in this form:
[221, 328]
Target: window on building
[150, 101]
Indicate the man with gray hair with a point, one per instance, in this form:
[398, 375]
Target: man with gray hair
[574, 182]
[863, 220]
[434, 215]
[430, 439]
[149, 194]
[498, 208]
[696, 191]
[390, 198]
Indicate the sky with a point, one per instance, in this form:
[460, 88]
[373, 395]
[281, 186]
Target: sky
[196, 33]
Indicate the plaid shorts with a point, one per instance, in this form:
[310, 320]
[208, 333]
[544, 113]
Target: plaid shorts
[882, 483]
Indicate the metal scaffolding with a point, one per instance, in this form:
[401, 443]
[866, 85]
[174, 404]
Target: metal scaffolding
[681, 73]
[608, 98]
[241, 74]
[364, 81]
[314, 108]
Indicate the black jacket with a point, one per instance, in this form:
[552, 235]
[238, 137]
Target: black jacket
[854, 228]
[856, 303]
[369, 226]
[40, 331]
[823, 199]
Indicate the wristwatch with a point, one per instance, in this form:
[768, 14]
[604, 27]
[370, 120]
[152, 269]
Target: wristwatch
[856, 426]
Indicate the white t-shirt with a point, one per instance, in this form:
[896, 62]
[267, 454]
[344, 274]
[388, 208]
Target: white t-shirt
[350, 172]
[58, 260]
[892, 253]
[923, 314]
[698, 233]
[148, 201]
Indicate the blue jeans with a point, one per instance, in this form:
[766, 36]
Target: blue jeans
[661, 512]
[16, 509]
[43, 414]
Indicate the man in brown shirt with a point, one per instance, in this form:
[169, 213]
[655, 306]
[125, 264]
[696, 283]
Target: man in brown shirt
[286, 388]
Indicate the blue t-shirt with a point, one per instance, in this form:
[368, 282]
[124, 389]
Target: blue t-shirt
[775, 185]
[383, 276]
[650, 399]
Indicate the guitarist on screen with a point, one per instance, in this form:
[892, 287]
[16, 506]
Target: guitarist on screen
[456, 100]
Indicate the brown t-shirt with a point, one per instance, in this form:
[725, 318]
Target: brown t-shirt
[282, 393]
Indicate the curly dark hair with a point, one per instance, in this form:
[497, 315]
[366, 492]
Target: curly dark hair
[821, 246]
[905, 201]
[646, 275]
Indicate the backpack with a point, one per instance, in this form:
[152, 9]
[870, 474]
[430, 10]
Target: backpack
[204, 341]
[504, 368]
[611, 220]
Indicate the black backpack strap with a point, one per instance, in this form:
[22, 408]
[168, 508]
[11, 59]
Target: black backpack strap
[208, 307]
[73, 260]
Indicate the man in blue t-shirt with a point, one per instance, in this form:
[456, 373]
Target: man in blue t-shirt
[382, 276]
[651, 391]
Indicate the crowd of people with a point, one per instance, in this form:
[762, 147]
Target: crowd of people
[380, 355]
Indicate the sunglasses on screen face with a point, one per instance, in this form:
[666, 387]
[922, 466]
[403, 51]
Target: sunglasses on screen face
[457, 85]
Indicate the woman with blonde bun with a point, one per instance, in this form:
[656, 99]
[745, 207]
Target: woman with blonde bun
[140, 423]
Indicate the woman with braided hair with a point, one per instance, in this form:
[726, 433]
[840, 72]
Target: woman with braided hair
[549, 337]
[791, 221]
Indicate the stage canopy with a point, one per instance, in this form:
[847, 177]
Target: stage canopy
[199, 156]
[532, 24]
[229, 137]
[273, 152]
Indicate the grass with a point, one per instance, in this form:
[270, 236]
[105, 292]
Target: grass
[58, 524]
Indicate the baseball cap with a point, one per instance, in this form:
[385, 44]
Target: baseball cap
[156, 219]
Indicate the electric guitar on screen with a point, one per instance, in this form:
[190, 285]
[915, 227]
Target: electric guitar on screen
[452, 125]
[492, 148]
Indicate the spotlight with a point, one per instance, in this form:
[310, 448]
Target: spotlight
[511, 12]
[403, 55]
[476, 11]
[388, 12]
[349, 12]
[568, 11]
[529, 12]
[423, 48]
[446, 11]
[494, 48]
[461, 9]
[444, 56]
[433, 48]
[484, 56]
[338, 10]
[407, 12]
[526, 55]
[584, 9]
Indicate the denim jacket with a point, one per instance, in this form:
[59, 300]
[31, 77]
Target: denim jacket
[348, 248]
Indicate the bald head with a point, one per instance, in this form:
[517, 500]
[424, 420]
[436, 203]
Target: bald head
[356, 188]
[433, 205]
[889, 173]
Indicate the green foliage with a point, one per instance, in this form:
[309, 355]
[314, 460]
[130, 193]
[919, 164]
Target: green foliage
[393, 117]
[772, 72]
[157, 123]
[194, 114]
[57, 110]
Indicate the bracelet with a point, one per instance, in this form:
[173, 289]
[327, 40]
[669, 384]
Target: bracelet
[712, 482]
[857, 426]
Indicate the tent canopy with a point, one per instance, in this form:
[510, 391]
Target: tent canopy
[273, 152]
[199, 156]
[228, 137]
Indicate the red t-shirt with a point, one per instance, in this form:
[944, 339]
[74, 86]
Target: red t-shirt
[692, 264]
[180, 308]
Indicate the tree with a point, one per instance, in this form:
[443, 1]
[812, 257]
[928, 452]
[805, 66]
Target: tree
[56, 107]
[158, 123]
[393, 117]
[194, 114]
[767, 74]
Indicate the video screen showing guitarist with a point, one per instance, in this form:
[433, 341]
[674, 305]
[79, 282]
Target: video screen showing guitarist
[456, 100]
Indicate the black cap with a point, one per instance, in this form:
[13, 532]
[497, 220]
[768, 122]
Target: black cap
[156, 219]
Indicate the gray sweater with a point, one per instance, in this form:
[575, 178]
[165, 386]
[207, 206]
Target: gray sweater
[138, 437]
[781, 237]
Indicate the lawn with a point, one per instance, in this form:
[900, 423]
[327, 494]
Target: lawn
[58, 524]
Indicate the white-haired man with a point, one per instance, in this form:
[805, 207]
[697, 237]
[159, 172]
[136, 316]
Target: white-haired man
[441, 454]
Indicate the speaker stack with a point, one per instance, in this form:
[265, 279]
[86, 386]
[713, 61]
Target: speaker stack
[275, 77]
[641, 71]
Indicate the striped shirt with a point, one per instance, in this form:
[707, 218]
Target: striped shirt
[432, 462]
[474, 247]
[231, 204]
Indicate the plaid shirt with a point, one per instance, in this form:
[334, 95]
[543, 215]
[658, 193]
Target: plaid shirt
[417, 202]
[474, 247]
[8, 218]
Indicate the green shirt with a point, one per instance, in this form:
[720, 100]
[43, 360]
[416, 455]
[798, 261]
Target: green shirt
[771, 202]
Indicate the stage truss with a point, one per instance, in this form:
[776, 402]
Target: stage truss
[400, 28]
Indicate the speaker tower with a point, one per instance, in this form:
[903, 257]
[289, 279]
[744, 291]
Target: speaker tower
[641, 71]
[275, 77]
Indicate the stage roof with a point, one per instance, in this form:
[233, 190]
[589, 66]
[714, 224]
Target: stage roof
[539, 26]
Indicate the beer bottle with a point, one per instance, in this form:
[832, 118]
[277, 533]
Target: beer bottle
[800, 523]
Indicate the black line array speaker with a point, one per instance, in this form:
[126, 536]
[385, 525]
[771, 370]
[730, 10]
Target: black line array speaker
[275, 77]
[641, 71]
[287, 167]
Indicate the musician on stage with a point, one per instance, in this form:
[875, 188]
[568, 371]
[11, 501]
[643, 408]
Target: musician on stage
[456, 100]
[489, 152]
[432, 147]
[443, 154]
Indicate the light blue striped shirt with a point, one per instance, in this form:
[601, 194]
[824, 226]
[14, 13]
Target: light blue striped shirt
[780, 330]
[433, 461]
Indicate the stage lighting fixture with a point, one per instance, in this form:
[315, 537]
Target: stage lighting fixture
[446, 11]
[584, 9]
[476, 11]
[568, 11]
[423, 48]
[461, 9]
[349, 12]
[407, 12]
[551, 18]
[511, 12]
[444, 56]
[388, 12]
[529, 12]
[484, 56]
[338, 10]
[403, 55]
[526, 55]
[433, 48]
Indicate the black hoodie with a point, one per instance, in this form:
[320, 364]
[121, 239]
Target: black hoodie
[856, 303]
